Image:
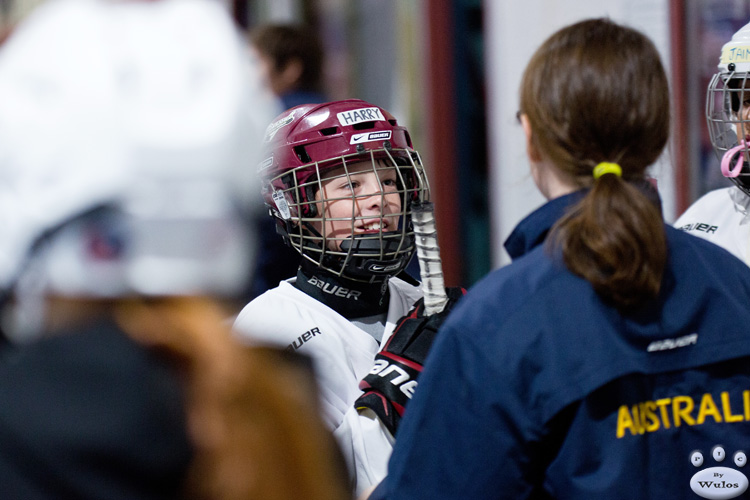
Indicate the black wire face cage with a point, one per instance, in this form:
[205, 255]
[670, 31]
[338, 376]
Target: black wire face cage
[361, 255]
[728, 120]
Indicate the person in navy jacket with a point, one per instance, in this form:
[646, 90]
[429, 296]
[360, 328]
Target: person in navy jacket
[611, 359]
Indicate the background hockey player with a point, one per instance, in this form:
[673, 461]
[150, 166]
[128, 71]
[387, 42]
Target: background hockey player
[722, 216]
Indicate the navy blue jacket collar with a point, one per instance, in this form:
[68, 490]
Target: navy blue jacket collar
[532, 230]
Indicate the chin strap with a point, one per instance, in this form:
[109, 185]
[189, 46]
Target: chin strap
[365, 261]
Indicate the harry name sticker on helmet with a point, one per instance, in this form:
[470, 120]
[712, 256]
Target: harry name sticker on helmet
[282, 205]
[370, 137]
[360, 115]
[277, 125]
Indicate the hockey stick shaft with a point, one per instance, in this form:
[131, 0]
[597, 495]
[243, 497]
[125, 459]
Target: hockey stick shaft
[428, 254]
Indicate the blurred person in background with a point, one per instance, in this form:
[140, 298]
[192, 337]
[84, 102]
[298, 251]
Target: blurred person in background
[292, 62]
[126, 132]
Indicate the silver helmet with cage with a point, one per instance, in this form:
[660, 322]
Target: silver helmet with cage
[340, 179]
[728, 109]
[126, 131]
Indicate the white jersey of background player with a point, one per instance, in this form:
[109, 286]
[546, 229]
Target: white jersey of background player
[723, 216]
[340, 180]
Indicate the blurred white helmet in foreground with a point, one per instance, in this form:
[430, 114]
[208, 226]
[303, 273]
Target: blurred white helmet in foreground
[128, 135]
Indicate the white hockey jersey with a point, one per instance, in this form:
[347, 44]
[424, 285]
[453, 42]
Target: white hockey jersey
[342, 355]
[721, 216]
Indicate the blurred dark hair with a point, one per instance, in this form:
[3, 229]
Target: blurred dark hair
[283, 43]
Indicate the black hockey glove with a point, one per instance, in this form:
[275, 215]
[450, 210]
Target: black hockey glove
[392, 381]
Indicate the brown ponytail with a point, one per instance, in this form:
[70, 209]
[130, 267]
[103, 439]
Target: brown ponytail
[597, 92]
[252, 417]
[614, 238]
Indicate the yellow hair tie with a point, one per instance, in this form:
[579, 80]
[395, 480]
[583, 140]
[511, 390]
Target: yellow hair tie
[607, 168]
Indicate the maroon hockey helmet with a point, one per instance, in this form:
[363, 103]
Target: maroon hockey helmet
[304, 145]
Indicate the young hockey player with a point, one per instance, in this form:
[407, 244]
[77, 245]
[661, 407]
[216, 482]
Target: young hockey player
[341, 180]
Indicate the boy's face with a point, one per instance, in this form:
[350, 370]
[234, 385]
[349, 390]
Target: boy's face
[367, 201]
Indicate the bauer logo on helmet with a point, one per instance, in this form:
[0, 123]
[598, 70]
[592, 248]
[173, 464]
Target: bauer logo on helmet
[370, 137]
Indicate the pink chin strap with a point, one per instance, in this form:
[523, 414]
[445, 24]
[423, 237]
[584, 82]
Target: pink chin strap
[727, 158]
